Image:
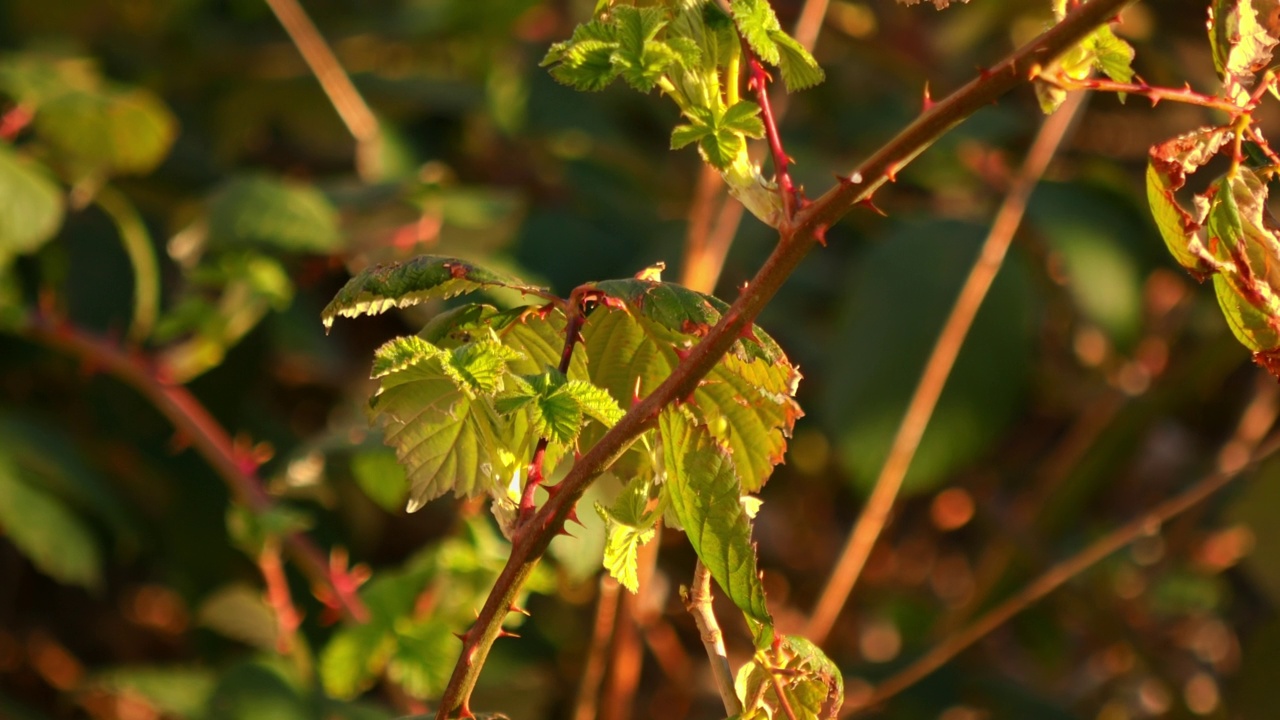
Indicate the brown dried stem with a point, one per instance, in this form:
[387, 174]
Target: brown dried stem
[342, 93]
[875, 514]
[1239, 453]
[587, 703]
[796, 239]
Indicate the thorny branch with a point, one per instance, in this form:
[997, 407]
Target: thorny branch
[794, 244]
[238, 469]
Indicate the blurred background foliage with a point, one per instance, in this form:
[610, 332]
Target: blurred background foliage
[174, 181]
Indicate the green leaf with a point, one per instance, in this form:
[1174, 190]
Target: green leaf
[595, 402]
[272, 212]
[31, 205]
[177, 691]
[746, 400]
[1249, 255]
[704, 492]
[536, 333]
[683, 135]
[758, 24]
[744, 117]
[585, 61]
[640, 58]
[799, 69]
[811, 683]
[257, 691]
[424, 655]
[381, 477]
[896, 305]
[111, 131]
[404, 284]
[239, 612]
[630, 523]
[1168, 166]
[444, 434]
[1111, 55]
[43, 529]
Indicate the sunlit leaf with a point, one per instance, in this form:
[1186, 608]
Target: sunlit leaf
[812, 685]
[1168, 166]
[630, 523]
[399, 285]
[381, 477]
[704, 491]
[113, 130]
[239, 611]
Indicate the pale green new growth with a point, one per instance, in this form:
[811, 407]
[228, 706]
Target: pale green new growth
[630, 523]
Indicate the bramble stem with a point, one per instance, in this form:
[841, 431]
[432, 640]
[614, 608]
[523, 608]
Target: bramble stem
[197, 426]
[758, 80]
[796, 239]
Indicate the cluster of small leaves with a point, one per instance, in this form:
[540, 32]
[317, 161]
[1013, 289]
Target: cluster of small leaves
[1228, 233]
[692, 51]
[465, 402]
[1100, 52]
[793, 680]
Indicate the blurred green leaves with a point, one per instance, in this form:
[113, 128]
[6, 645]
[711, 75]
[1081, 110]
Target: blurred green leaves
[891, 319]
[31, 205]
[269, 212]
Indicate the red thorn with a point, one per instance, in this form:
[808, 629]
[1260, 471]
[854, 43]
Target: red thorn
[872, 206]
[820, 234]
[928, 100]
[635, 393]
[507, 634]
[680, 352]
[572, 516]
[517, 609]
[984, 73]
[565, 532]
[891, 172]
[743, 287]
[461, 636]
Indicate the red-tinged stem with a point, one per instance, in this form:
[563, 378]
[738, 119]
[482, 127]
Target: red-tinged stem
[758, 80]
[197, 426]
[288, 619]
[572, 335]
[1184, 95]
[795, 242]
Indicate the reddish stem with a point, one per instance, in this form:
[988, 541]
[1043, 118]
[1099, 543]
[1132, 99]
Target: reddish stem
[288, 619]
[198, 427]
[758, 81]
[13, 121]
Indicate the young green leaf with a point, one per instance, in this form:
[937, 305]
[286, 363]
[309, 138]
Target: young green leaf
[640, 58]
[799, 70]
[630, 523]
[746, 400]
[760, 28]
[585, 61]
[1249, 254]
[427, 277]
[705, 493]
[434, 408]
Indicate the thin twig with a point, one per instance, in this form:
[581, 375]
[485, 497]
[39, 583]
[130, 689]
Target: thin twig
[142, 258]
[698, 602]
[288, 619]
[793, 245]
[337, 85]
[601, 631]
[875, 514]
[758, 80]
[196, 426]
[1239, 453]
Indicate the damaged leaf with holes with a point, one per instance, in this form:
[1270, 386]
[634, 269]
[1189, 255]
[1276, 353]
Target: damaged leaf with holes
[795, 679]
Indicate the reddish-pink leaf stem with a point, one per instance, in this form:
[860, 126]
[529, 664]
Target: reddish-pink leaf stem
[13, 121]
[794, 243]
[577, 315]
[758, 81]
[198, 428]
[1154, 93]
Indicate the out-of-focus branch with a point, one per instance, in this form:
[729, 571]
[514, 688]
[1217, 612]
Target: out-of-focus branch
[875, 514]
[196, 426]
[587, 703]
[354, 111]
[1239, 453]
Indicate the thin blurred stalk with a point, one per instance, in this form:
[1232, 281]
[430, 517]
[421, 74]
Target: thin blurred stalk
[698, 602]
[142, 258]
[587, 704]
[1240, 452]
[875, 514]
[354, 111]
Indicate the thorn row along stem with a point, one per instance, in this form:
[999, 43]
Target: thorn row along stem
[794, 243]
